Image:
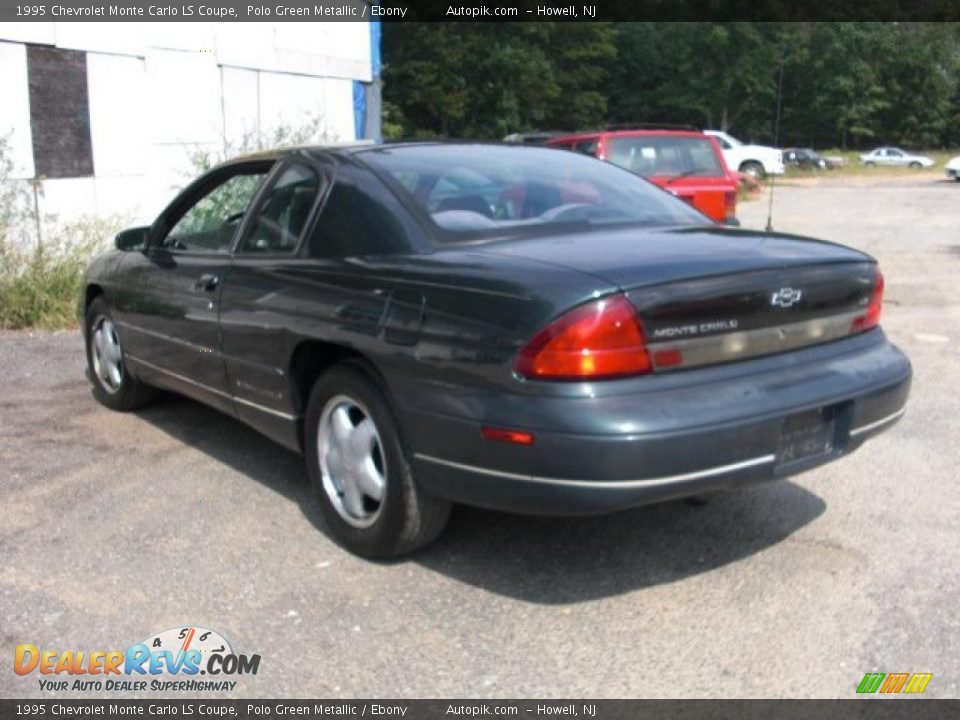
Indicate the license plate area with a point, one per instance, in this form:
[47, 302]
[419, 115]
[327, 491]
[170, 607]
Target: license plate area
[807, 434]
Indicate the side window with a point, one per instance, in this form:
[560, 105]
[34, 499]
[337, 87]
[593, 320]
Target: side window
[723, 142]
[210, 223]
[361, 217]
[283, 211]
[586, 147]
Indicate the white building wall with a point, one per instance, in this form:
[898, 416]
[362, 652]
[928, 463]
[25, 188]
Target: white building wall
[15, 107]
[159, 90]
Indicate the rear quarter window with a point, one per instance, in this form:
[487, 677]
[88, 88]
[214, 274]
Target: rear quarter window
[361, 217]
[587, 147]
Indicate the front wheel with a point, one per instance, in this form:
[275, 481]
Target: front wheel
[916, 165]
[113, 385]
[870, 164]
[356, 460]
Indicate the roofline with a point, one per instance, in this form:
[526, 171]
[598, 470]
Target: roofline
[636, 132]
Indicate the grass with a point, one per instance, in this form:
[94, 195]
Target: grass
[853, 166]
[40, 285]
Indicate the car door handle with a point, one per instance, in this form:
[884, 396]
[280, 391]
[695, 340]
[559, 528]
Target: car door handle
[207, 282]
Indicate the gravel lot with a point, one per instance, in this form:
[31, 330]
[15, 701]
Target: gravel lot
[113, 527]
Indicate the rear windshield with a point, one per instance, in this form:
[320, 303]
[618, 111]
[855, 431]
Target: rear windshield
[665, 156]
[483, 190]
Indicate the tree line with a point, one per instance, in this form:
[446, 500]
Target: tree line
[848, 85]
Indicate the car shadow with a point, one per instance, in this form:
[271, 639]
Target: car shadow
[534, 559]
[569, 560]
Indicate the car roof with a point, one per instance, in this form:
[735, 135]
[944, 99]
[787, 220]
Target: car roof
[279, 153]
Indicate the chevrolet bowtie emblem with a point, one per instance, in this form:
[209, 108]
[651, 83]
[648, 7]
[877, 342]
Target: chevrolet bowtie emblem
[785, 297]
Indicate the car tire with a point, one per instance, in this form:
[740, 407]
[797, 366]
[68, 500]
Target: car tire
[916, 165]
[360, 470]
[753, 169]
[870, 164]
[113, 385]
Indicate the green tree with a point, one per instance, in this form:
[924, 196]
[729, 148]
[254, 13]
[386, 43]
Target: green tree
[485, 80]
[849, 84]
[920, 80]
[581, 55]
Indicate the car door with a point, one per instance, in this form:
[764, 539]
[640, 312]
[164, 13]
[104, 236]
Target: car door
[896, 157]
[169, 309]
[259, 297]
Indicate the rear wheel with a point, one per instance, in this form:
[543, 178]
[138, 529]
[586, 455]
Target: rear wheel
[356, 460]
[753, 169]
[113, 385]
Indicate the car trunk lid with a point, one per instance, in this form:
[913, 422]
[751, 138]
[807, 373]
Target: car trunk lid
[723, 318]
[706, 296]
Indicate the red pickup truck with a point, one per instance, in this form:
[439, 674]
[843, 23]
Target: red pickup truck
[687, 163]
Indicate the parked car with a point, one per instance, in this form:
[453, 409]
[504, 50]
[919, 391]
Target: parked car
[685, 163]
[756, 160]
[505, 326]
[806, 158]
[953, 168]
[895, 157]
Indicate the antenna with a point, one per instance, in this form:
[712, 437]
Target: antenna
[776, 138]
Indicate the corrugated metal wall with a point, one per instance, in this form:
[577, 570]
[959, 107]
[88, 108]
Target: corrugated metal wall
[157, 90]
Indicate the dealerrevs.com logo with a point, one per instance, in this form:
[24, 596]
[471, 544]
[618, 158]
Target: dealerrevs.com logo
[171, 660]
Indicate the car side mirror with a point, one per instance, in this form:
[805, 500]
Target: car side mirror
[132, 239]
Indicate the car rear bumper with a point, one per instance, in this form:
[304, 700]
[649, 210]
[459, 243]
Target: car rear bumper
[721, 429]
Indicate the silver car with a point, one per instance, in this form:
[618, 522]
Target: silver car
[895, 157]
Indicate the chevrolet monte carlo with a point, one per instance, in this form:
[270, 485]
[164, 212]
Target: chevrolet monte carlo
[518, 328]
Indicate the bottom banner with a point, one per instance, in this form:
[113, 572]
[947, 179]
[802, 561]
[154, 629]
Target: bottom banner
[427, 709]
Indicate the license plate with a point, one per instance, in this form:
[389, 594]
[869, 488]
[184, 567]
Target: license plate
[805, 435]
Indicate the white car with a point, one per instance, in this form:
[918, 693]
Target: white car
[756, 160]
[892, 156]
[953, 168]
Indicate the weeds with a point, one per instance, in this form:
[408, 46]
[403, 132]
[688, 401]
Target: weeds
[40, 285]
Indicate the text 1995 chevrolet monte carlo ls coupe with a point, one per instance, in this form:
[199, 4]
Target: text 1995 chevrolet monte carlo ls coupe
[518, 328]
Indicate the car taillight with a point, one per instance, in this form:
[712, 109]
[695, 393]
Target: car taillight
[601, 339]
[730, 204]
[871, 318]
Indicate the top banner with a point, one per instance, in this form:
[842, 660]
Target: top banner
[517, 10]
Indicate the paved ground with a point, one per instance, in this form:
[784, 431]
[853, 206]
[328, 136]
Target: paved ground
[113, 527]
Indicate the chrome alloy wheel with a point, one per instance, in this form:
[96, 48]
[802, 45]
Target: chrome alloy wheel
[352, 461]
[107, 355]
